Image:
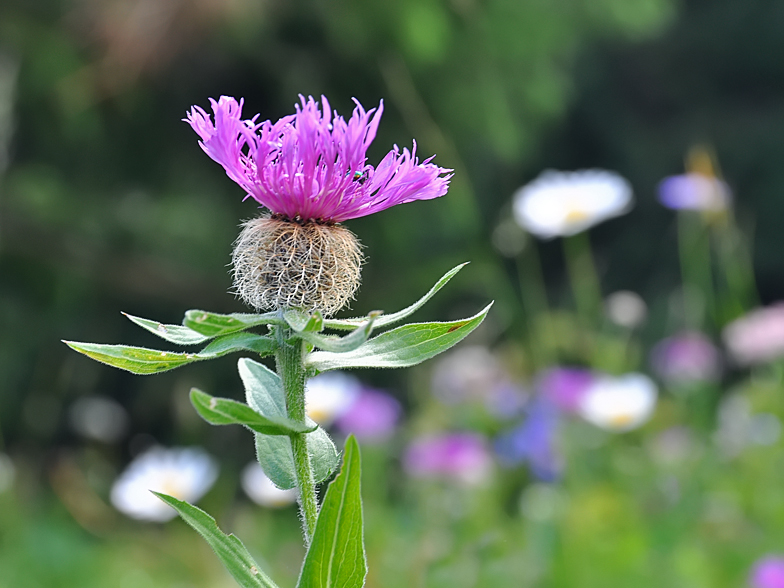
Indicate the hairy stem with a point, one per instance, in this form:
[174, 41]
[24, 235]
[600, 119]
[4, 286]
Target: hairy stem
[292, 373]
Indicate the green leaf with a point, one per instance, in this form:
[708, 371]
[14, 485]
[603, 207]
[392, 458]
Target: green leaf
[401, 347]
[173, 333]
[336, 557]
[224, 411]
[389, 319]
[230, 550]
[340, 344]
[264, 393]
[211, 324]
[302, 322]
[140, 360]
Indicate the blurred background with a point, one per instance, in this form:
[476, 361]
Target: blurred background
[108, 204]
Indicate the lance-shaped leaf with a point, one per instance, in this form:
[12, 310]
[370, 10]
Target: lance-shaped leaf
[389, 319]
[302, 322]
[401, 347]
[344, 344]
[173, 333]
[336, 556]
[224, 411]
[211, 324]
[264, 393]
[230, 550]
[140, 360]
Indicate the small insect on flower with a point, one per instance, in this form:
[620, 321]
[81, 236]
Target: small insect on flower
[310, 170]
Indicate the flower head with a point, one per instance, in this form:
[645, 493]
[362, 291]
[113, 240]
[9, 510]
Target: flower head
[619, 403]
[330, 395]
[185, 473]
[694, 191]
[768, 572]
[686, 357]
[372, 417]
[261, 490]
[757, 337]
[460, 456]
[564, 387]
[559, 204]
[312, 165]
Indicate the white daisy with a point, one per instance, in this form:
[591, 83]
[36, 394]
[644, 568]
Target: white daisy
[328, 396]
[262, 490]
[185, 473]
[559, 204]
[619, 403]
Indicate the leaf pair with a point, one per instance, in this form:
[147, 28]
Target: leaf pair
[336, 556]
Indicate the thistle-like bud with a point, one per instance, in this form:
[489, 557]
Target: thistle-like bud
[309, 266]
[310, 170]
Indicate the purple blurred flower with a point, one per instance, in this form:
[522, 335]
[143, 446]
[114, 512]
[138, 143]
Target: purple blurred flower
[686, 357]
[460, 456]
[757, 337]
[534, 442]
[564, 386]
[694, 192]
[312, 165]
[768, 572]
[372, 417]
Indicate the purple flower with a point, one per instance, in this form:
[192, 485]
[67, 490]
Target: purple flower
[564, 386]
[372, 417]
[534, 442]
[768, 572]
[757, 337]
[694, 191]
[459, 456]
[686, 357]
[312, 165]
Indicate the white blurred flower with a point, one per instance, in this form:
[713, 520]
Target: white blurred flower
[558, 204]
[185, 473]
[626, 309]
[262, 491]
[328, 396]
[619, 403]
[98, 418]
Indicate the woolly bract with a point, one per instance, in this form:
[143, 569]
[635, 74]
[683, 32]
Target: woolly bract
[312, 165]
[283, 264]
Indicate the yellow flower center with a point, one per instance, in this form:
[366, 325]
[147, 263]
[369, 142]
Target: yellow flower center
[575, 215]
[621, 420]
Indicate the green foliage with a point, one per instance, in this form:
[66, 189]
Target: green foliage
[143, 361]
[336, 556]
[178, 334]
[349, 342]
[211, 324]
[264, 393]
[389, 319]
[224, 411]
[401, 347]
[228, 548]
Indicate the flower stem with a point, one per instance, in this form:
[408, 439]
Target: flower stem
[292, 373]
[584, 279]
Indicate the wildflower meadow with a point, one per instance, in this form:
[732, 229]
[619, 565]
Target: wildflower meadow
[434, 294]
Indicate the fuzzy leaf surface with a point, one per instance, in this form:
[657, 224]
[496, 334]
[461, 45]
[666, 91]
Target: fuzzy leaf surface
[178, 334]
[224, 411]
[401, 347]
[264, 393]
[389, 319]
[336, 557]
[344, 344]
[230, 550]
[211, 324]
[143, 361]
[302, 322]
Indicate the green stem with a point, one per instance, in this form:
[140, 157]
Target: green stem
[583, 277]
[534, 297]
[292, 373]
[696, 272]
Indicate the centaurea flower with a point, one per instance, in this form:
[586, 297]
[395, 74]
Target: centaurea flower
[310, 170]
